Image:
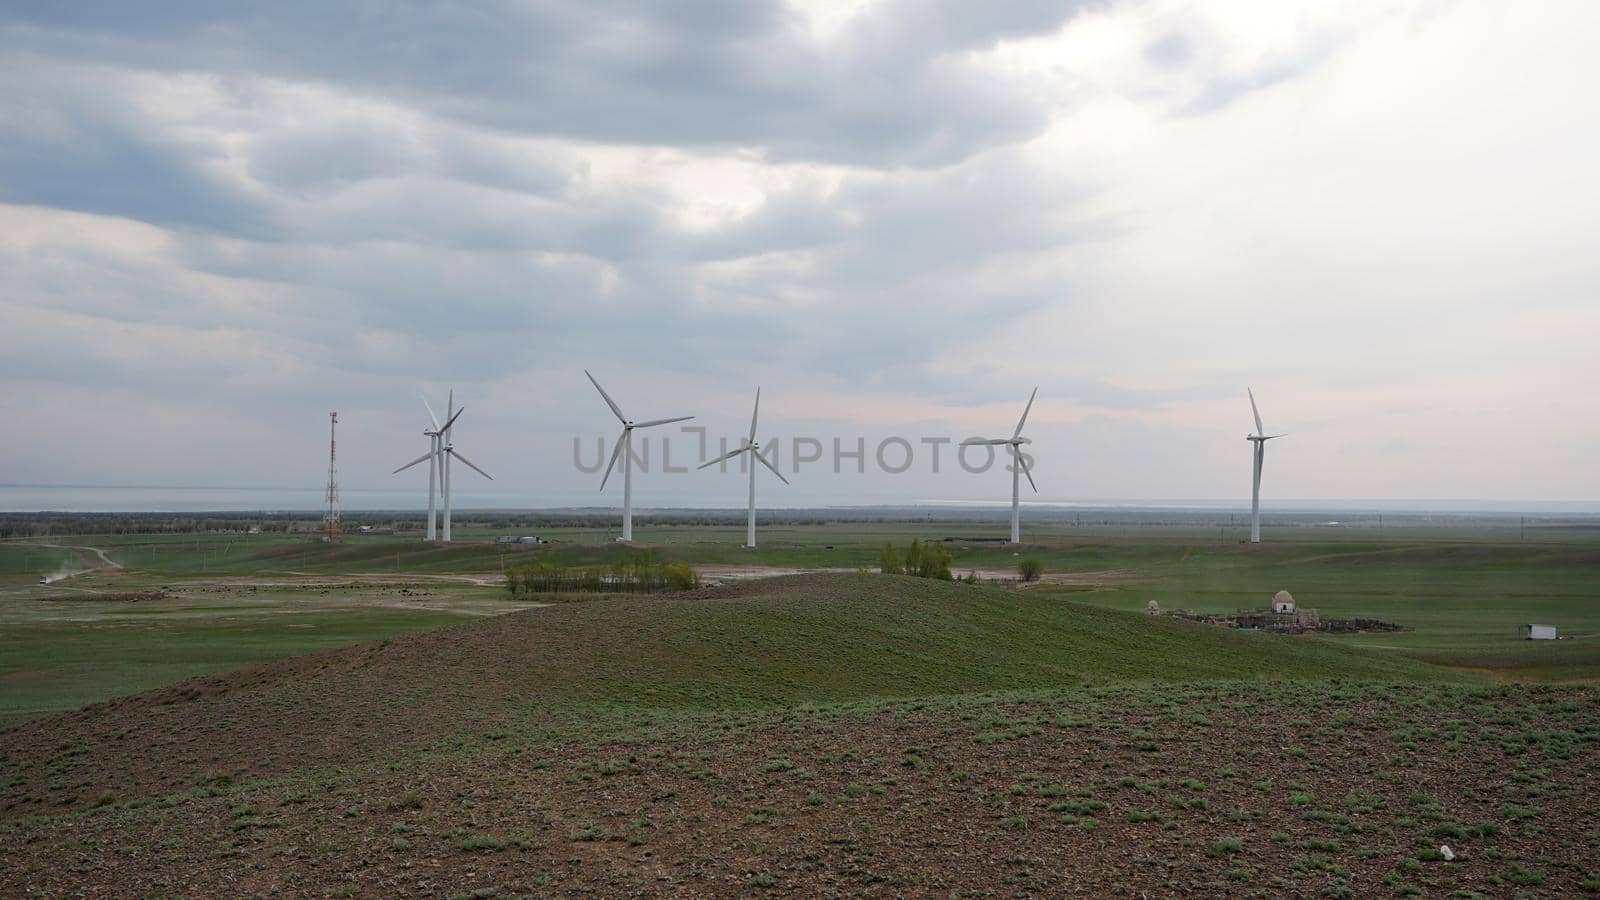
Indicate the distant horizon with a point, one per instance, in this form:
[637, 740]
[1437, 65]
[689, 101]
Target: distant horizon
[224, 498]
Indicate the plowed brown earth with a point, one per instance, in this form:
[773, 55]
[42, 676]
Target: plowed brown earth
[1283, 790]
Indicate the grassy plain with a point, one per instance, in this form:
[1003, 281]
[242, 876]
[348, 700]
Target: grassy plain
[237, 599]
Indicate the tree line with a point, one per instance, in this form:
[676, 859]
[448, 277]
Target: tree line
[637, 573]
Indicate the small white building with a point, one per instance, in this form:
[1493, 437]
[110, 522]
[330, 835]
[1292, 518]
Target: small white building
[1153, 608]
[1283, 602]
[1539, 632]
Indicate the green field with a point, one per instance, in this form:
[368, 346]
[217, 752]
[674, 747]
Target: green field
[237, 599]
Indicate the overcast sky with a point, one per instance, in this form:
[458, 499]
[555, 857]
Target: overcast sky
[218, 221]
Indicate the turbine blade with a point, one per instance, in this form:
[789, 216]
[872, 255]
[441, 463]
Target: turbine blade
[1023, 463]
[978, 442]
[753, 414]
[770, 466]
[431, 417]
[1024, 419]
[614, 454]
[617, 411]
[729, 455]
[457, 455]
[1260, 428]
[653, 422]
[452, 420]
[422, 458]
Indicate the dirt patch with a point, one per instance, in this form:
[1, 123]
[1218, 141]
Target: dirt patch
[1202, 791]
[24, 675]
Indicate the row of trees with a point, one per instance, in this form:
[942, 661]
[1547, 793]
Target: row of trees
[14, 525]
[931, 560]
[638, 573]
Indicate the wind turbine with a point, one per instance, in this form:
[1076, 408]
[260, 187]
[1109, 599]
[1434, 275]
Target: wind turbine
[1019, 466]
[432, 459]
[1260, 439]
[448, 453]
[754, 449]
[438, 460]
[625, 450]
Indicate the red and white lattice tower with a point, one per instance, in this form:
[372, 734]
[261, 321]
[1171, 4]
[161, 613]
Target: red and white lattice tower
[331, 529]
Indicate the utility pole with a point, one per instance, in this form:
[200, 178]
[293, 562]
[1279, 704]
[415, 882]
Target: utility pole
[331, 529]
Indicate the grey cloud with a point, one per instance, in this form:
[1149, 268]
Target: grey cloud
[1191, 52]
[321, 158]
[1220, 91]
[1171, 49]
[386, 219]
[75, 144]
[711, 73]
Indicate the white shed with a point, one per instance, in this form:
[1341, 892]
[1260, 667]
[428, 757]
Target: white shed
[1539, 632]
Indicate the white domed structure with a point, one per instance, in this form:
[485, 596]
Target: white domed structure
[1283, 602]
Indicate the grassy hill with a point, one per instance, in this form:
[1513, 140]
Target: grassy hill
[773, 642]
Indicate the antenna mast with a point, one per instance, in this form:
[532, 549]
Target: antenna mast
[331, 529]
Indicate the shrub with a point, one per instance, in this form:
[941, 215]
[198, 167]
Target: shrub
[681, 577]
[921, 560]
[1030, 569]
[1225, 846]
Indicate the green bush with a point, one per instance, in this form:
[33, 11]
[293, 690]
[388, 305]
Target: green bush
[1030, 569]
[921, 560]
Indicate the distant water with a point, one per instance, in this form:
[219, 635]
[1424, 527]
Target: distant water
[166, 498]
[215, 498]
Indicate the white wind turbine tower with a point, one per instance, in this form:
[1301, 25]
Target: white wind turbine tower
[1260, 439]
[754, 449]
[1019, 466]
[449, 453]
[625, 450]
